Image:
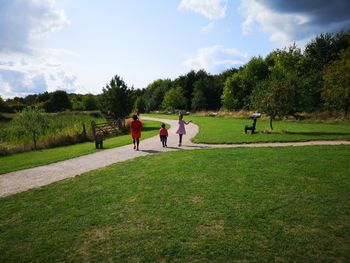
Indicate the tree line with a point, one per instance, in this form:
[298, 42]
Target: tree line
[287, 81]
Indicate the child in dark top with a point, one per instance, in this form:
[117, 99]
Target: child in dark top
[163, 133]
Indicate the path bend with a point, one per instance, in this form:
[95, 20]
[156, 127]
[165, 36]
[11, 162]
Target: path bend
[23, 180]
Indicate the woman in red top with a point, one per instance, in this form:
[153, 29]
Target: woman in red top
[135, 129]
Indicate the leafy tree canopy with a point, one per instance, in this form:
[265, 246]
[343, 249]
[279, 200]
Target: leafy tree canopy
[115, 100]
[336, 90]
[174, 99]
[32, 122]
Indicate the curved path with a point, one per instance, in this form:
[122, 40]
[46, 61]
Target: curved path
[23, 180]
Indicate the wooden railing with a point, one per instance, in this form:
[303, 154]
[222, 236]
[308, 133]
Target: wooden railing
[101, 131]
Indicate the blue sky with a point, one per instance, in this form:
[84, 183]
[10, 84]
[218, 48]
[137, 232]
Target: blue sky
[79, 45]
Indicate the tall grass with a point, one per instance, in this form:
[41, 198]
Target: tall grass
[64, 128]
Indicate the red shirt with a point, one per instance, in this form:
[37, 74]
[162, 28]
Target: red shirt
[135, 129]
[163, 132]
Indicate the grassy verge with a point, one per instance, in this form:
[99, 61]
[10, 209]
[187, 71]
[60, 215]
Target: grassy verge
[231, 130]
[36, 158]
[219, 205]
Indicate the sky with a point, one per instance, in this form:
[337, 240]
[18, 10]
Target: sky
[79, 45]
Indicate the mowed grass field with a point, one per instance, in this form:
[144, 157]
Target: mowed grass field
[25, 160]
[217, 130]
[288, 204]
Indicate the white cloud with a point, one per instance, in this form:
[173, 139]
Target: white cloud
[216, 58]
[291, 21]
[207, 28]
[25, 74]
[25, 68]
[22, 22]
[211, 9]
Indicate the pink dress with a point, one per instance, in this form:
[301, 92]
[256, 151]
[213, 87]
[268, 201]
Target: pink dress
[181, 129]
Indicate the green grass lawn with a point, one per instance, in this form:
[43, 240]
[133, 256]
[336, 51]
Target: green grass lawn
[231, 130]
[36, 158]
[287, 204]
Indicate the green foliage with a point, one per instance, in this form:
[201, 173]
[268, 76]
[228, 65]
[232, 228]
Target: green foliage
[195, 84]
[89, 102]
[76, 101]
[199, 100]
[231, 97]
[15, 104]
[277, 95]
[239, 87]
[64, 128]
[174, 99]
[186, 83]
[26, 160]
[139, 105]
[58, 101]
[336, 89]
[115, 100]
[2, 105]
[32, 122]
[155, 92]
[318, 53]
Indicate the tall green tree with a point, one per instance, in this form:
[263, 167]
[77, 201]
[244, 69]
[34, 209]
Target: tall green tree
[318, 53]
[2, 105]
[186, 83]
[32, 122]
[277, 95]
[232, 98]
[139, 105]
[199, 100]
[174, 99]
[239, 87]
[155, 92]
[115, 100]
[89, 102]
[58, 101]
[336, 89]
[15, 104]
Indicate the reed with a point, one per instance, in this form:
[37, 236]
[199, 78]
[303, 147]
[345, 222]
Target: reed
[64, 128]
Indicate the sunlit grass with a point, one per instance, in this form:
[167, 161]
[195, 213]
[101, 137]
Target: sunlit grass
[24, 160]
[231, 130]
[222, 205]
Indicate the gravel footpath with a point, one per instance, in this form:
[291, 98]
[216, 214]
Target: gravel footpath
[23, 180]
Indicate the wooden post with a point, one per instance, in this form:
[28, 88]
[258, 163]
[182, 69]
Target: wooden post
[93, 129]
[84, 132]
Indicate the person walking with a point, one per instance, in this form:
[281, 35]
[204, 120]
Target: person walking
[135, 129]
[163, 133]
[181, 129]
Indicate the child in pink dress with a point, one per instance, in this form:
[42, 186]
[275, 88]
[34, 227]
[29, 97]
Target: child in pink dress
[163, 133]
[181, 130]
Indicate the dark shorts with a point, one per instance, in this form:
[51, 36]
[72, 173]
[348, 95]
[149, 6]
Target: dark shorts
[163, 138]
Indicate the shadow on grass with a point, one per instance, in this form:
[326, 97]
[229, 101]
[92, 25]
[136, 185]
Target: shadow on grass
[150, 128]
[197, 146]
[319, 133]
[150, 151]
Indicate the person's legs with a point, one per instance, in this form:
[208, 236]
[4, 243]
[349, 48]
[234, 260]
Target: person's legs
[133, 141]
[165, 141]
[180, 139]
[137, 143]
